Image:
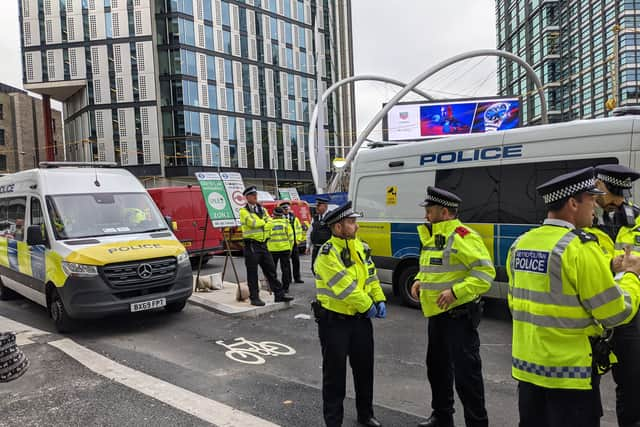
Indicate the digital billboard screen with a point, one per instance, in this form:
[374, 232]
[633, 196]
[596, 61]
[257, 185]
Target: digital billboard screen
[445, 118]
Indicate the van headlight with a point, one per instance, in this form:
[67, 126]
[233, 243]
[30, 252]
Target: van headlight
[183, 258]
[79, 270]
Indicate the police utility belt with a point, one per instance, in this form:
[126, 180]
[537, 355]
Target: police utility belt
[471, 310]
[321, 313]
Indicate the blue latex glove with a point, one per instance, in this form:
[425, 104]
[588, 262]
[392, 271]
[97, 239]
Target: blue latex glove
[372, 312]
[382, 310]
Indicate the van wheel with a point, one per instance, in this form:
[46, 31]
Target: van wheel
[6, 294]
[175, 307]
[59, 315]
[405, 281]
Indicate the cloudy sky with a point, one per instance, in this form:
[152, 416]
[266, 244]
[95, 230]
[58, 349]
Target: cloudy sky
[398, 39]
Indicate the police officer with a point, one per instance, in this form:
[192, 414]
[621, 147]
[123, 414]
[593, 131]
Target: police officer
[455, 269]
[561, 295]
[299, 236]
[347, 299]
[319, 231]
[280, 243]
[255, 223]
[617, 224]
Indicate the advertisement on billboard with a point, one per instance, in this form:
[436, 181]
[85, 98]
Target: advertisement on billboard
[223, 196]
[413, 121]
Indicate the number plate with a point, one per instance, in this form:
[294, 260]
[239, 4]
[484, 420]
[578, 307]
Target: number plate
[148, 305]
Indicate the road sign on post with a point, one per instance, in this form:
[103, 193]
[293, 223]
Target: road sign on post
[215, 196]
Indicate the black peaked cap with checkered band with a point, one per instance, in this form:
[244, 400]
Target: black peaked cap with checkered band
[617, 176]
[438, 196]
[340, 213]
[567, 185]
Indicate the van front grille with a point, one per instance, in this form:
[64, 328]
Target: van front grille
[140, 274]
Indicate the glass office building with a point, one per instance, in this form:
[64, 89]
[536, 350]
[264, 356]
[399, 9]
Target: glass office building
[570, 44]
[171, 87]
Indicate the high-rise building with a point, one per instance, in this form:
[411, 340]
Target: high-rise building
[571, 45]
[22, 138]
[171, 87]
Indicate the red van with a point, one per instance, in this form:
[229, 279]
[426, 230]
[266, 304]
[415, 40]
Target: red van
[186, 207]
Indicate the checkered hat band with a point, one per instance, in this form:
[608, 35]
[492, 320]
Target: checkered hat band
[443, 202]
[343, 215]
[622, 183]
[568, 191]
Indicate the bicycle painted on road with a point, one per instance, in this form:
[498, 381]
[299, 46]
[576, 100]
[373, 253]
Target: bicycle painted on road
[251, 352]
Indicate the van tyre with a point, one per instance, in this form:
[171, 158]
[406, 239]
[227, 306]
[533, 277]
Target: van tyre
[6, 294]
[405, 281]
[175, 307]
[59, 315]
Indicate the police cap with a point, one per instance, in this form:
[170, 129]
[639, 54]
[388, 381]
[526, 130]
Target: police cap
[567, 185]
[616, 177]
[340, 213]
[438, 196]
[324, 200]
[250, 190]
[279, 211]
[285, 205]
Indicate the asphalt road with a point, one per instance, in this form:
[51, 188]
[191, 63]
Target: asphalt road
[182, 350]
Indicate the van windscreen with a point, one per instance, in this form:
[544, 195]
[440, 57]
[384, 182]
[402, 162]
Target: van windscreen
[76, 216]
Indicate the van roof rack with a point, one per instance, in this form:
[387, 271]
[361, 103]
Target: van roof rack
[50, 165]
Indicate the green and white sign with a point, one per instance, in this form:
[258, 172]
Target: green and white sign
[217, 200]
[288, 194]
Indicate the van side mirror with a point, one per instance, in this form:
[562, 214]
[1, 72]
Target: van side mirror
[174, 226]
[35, 235]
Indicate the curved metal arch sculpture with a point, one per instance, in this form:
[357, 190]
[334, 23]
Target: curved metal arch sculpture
[420, 78]
[313, 124]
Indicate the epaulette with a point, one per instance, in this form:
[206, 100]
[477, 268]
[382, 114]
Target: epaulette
[462, 231]
[584, 236]
[326, 248]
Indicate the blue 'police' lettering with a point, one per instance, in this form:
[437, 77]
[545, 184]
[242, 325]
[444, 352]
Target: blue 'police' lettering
[487, 153]
[531, 261]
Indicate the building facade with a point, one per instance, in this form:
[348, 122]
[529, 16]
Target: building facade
[22, 139]
[572, 46]
[171, 87]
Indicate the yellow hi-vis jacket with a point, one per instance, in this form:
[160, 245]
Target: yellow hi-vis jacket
[459, 261]
[300, 235]
[341, 288]
[255, 227]
[561, 292]
[372, 272]
[280, 236]
[604, 241]
[628, 236]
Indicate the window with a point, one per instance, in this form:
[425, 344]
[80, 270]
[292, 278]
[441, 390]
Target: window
[1, 112]
[2, 141]
[506, 194]
[37, 216]
[12, 214]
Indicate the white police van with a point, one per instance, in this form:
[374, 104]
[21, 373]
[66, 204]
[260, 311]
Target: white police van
[87, 242]
[495, 174]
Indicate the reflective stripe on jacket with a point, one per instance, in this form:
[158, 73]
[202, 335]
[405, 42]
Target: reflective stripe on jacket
[561, 291]
[628, 236]
[254, 226]
[280, 236]
[345, 289]
[460, 262]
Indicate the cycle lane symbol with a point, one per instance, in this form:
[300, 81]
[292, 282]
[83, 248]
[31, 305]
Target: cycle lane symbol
[252, 352]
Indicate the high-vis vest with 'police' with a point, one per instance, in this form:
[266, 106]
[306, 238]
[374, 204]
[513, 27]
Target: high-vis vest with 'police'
[254, 226]
[341, 287]
[281, 235]
[452, 257]
[561, 292]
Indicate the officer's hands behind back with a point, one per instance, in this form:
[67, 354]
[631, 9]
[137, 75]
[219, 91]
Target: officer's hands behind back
[372, 312]
[382, 310]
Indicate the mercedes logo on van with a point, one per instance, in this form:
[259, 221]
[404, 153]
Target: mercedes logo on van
[145, 271]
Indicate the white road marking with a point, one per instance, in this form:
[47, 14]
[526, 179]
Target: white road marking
[24, 333]
[206, 409]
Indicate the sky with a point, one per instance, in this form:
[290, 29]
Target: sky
[398, 39]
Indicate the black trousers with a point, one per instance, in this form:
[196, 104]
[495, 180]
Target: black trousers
[256, 253]
[314, 255]
[550, 407]
[340, 338]
[453, 355]
[626, 373]
[285, 266]
[295, 261]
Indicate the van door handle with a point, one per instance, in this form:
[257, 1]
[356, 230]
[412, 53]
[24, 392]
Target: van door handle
[396, 164]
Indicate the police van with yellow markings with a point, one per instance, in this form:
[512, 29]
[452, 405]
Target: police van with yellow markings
[494, 173]
[87, 242]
